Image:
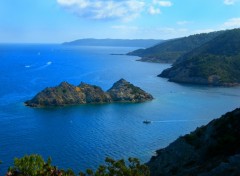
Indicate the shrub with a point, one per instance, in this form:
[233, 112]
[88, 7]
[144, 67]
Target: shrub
[34, 165]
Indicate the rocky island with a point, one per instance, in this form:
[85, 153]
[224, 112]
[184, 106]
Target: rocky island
[67, 94]
[213, 149]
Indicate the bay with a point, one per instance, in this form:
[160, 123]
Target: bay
[80, 137]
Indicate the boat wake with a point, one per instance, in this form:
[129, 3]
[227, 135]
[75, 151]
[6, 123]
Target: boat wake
[176, 121]
[44, 66]
[49, 63]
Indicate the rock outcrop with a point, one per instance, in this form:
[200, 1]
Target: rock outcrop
[213, 149]
[67, 94]
[123, 91]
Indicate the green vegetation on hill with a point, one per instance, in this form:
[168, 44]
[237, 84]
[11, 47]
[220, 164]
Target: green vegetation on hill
[171, 50]
[213, 149]
[217, 62]
[34, 165]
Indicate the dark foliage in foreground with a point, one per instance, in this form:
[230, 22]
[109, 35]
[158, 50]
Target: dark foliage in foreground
[213, 149]
[34, 165]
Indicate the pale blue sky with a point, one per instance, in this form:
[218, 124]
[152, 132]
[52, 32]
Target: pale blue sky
[54, 21]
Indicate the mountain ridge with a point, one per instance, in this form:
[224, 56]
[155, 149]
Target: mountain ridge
[114, 42]
[170, 50]
[216, 63]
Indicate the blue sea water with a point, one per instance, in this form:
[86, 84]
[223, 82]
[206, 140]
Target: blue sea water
[80, 137]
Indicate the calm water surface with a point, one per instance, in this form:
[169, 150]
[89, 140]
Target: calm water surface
[80, 137]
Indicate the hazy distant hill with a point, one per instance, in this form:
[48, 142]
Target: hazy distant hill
[217, 62]
[171, 50]
[142, 43]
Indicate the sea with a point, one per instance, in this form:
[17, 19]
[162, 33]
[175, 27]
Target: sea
[81, 137]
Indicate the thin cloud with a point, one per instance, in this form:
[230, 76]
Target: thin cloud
[104, 9]
[232, 23]
[153, 11]
[229, 2]
[154, 6]
[124, 27]
[163, 3]
[184, 22]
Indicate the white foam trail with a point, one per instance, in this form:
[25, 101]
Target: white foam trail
[175, 121]
[49, 63]
[27, 66]
[44, 66]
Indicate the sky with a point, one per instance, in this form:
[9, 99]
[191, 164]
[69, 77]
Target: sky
[57, 21]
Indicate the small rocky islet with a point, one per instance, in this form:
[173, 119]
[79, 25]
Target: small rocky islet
[68, 94]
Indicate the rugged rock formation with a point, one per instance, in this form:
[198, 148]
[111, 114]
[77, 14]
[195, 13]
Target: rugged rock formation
[67, 94]
[94, 94]
[123, 91]
[213, 149]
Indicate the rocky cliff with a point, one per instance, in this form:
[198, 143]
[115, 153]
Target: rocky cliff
[213, 149]
[67, 94]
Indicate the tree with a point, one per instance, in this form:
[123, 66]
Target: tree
[34, 165]
[119, 168]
